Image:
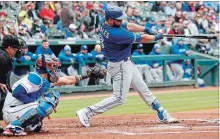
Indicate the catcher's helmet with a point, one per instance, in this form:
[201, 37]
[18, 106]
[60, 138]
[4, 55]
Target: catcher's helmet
[48, 64]
[114, 12]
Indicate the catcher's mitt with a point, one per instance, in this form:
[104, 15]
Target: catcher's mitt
[97, 72]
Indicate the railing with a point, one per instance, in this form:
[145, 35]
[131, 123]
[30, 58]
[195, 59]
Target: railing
[164, 58]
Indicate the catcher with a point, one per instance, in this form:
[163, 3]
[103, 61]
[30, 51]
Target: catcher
[30, 102]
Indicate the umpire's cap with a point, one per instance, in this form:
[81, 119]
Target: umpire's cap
[114, 12]
[13, 41]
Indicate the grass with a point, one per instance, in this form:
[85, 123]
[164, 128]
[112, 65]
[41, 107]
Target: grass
[174, 102]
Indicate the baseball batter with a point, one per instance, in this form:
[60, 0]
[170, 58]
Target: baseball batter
[117, 37]
[30, 102]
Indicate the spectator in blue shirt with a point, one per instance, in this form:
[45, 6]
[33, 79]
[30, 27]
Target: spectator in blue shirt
[66, 55]
[83, 56]
[151, 22]
[44, 49]
[179, 48]
[101, 61]
[188, 73]
[20, 71]
[142, 65]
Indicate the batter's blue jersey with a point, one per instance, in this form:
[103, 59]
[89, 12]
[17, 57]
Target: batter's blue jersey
[117, 41]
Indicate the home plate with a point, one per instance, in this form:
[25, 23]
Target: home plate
[167, 127]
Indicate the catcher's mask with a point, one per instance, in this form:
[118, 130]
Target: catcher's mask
[48, 64]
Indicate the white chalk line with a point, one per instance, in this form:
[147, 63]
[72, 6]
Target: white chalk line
[153, 133]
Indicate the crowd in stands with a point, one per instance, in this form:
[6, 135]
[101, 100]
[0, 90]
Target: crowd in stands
[79, 20]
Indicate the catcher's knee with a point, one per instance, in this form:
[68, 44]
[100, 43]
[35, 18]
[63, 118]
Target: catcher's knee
[34, 116]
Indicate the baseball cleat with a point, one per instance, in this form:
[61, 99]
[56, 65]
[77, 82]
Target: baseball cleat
[83, 118]
[165, 117]
[9, 132]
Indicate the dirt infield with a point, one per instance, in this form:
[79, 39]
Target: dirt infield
[203, 124]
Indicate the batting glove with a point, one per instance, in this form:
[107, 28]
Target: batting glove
[158, 37]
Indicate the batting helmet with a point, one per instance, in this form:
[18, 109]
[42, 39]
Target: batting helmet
[114, 12]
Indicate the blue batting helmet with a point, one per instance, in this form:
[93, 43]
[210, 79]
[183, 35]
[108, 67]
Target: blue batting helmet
[114, 12]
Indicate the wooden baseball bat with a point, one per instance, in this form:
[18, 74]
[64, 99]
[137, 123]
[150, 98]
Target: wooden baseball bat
[197, 36]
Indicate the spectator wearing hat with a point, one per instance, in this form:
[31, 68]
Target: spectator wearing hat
[66, 55]
[24, 19]
[44, 49]
[176, 65]
[187, 67]
[142, 65]
[20, 71]
[71, 33]
[83, 56]
[101, 61]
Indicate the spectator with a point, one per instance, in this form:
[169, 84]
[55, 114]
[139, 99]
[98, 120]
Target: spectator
[157, 7]
[44, 49]
[99, 56]
[94, 16]
[151, 22]
[188, 73]
[83, 56]
[23, 33]
[53, 33]
[11, 30]
[176, 65]
[2, 33]
[66, 55]
[32, 13]
[57, 17]
[178, 16]
[142, 65]
[24, 19]
[82, 33]
[21, 71]
[170, 9]
[36, 30]
[46, 12]
[174, 30]
[67, 17]
[71, 33]
[45, 26]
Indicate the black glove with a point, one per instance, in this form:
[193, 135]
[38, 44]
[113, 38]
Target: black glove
[97, 72]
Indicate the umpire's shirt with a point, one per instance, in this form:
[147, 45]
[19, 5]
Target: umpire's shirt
[5, 69]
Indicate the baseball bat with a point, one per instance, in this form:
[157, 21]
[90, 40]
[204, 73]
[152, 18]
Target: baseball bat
[197, 36]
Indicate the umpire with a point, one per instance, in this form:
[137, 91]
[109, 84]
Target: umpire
[11, 47]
